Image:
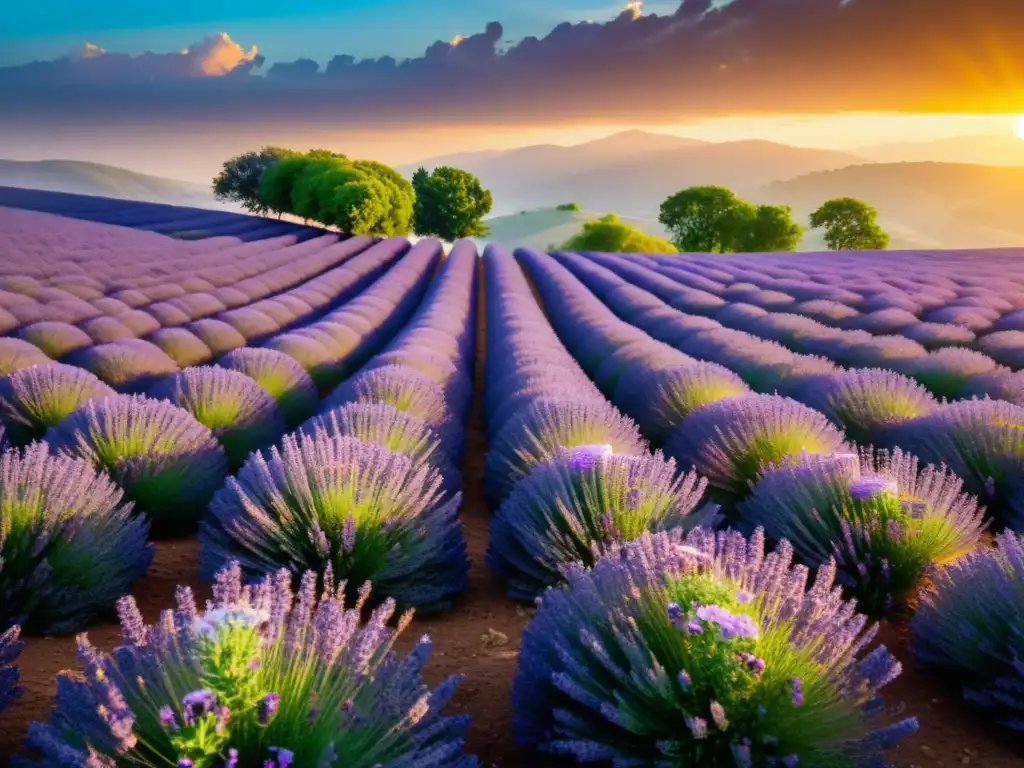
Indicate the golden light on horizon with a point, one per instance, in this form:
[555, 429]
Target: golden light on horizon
[1018, 126]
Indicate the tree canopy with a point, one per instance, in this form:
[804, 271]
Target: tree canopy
[239, 180]
[610, 234]
[568, 207]
[361, 197]
[850, 225]
[450, 204]
[715, 220]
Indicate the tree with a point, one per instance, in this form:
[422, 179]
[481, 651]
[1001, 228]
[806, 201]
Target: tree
[850, 225]
[771, 229]
[568, 207]
[358, 196]
[450, 204]
[706, 219]
[610, 234]
[239, 180]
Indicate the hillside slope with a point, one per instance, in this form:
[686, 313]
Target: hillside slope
[924, 205]
[103, 180]
[544, 227]
[632, 172]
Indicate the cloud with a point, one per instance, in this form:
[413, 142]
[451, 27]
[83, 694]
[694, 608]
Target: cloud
[708, 57]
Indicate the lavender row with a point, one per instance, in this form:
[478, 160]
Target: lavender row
[952, 372]
[936, 314]
[977, 439]
[877, 518]
[572, 475]
[367, 489]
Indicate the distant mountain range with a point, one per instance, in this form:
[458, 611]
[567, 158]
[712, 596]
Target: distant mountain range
[104, 180]
[632, 172]
[923, 203]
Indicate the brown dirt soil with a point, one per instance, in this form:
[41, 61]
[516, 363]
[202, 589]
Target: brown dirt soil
[465, 642]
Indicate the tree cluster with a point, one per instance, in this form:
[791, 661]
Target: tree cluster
[356, 196]
[610, 234]
[715, 220]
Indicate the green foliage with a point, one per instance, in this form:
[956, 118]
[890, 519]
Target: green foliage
[239, 181]
[771, 229]
[714, 220]
[610, 234]
[705, 219]
[358, 196]
[568, 207]
[450, 204]
[850, 225]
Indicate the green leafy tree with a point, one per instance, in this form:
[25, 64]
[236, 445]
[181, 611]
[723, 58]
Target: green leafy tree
[450, 204]
[357, 196]
[568, 207]
[610, 234]
[276, 185]
[239, 179]
[706, 219]
[771, 228]
[850, 225]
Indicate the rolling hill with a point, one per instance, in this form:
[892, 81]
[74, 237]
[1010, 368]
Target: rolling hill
[996, 149]
[105, 181]
[924, 205]
[543, 227]
[632, 172]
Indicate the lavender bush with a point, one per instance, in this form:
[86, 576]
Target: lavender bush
[16, 354]
[10, 647]
[55, 339]
[661, 400]
[730, 441]
[982, 441]
[539, 431]
[242, 415]
[263, 676]
[884, 520]
[34, 399]
[572, 508]
[868, 403]
[702, 650]
[68, 546]
[130, 366]
[281, 376]
[970, 625]
[168, 463]
[390, 428]
[321, 501]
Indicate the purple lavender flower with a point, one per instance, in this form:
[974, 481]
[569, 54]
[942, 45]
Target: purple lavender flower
[69, 547]
[730, 441]
[567, 512]
[324, 638]
[232, 761]
[684, 679]
[883, 522]
[34, 399]
[268, 707]
[869, 487]
[239, 412]
[969, 624]
[730, 625]
[168, 719]
[564, 656]
[167, 462]
[798, 691]
[283, 378]
[320, 480]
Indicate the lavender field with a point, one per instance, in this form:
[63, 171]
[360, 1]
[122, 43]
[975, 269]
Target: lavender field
[274, 496]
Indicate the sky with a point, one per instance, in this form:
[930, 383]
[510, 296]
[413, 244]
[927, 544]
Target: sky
[174, 88]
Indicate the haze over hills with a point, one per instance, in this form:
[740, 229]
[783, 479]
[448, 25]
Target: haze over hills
[937, 205]
[984, 149]
[105, 181]
[632, 172]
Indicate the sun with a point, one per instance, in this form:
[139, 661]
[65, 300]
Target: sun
[1018, 126]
